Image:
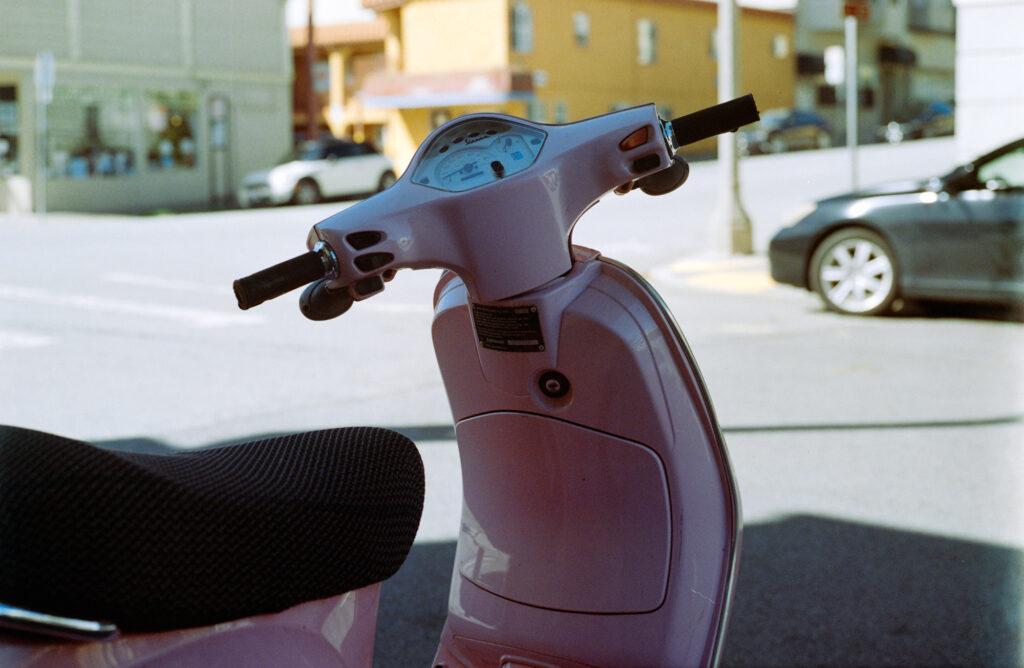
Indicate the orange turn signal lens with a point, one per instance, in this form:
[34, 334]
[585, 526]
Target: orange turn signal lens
[637, 138]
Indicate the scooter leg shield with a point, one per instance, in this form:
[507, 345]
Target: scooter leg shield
[601, 526]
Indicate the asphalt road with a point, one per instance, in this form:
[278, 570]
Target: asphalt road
[878, 459]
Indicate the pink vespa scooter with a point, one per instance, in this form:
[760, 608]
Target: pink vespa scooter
[600, 521]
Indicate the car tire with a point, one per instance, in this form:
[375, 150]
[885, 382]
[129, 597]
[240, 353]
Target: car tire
[824, 140]
[854, 271]
[776, 144]
[306, 192]
[387, 179]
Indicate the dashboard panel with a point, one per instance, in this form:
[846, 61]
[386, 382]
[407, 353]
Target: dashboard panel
[477, 152]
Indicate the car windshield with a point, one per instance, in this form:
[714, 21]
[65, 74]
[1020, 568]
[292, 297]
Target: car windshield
[773, 118]
[309, 150]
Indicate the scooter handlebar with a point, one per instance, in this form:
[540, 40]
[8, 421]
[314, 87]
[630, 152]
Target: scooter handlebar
[706, 123]
[284, 277]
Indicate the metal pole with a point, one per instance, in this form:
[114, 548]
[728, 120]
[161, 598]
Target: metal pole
[731, 229]
[40, 189]
[852, 97]
[312, 114]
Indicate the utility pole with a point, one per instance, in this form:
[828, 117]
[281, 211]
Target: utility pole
[312, 111]
[45, 71]
[731, 228]
[853, 11]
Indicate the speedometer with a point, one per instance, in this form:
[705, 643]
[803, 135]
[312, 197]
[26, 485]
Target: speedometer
[464, 169]
[475, 151]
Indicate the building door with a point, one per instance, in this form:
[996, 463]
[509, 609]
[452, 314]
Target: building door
[10, 121]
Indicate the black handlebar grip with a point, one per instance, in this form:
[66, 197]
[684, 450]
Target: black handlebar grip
[281, 278]
[706, 123]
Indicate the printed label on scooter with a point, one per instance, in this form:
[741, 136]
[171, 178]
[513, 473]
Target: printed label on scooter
[508, 328]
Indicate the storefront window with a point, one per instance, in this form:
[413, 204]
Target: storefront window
[92, 132]
[170, 139]
[8, 130]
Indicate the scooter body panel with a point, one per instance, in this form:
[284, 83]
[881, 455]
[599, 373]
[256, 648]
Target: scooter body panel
[626, 528]
[337, 631]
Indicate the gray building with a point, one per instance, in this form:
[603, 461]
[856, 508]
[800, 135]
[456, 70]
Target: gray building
[154, 104]
[906, 58]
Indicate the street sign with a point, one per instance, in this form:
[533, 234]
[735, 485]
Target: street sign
[45, 76]
[858, 9]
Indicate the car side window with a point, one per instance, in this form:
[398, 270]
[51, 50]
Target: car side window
[1006, 171]
[340, 150]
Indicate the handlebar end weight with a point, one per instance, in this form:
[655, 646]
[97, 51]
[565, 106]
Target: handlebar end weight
[243, 294]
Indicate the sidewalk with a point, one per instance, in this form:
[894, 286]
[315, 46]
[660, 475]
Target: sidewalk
[736, 274]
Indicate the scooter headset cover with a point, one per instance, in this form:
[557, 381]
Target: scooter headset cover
[159, 542]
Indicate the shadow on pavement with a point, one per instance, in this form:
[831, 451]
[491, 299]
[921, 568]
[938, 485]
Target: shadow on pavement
[811, 592]
[815, 591]
[413, 606]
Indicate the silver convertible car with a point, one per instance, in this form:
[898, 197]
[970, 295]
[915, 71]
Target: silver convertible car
[959, 237]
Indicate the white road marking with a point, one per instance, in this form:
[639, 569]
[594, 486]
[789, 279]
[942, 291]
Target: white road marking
[11, 339]
[165, 283]
[187, 316]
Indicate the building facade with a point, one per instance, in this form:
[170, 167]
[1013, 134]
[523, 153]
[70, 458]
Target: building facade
[990, 75]
[153, 105]
[556, 62]
[906, 55]
[344, 56]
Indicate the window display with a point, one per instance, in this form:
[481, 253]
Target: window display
[170, 141]
[92, 132]
[8, 130]
[107, 132]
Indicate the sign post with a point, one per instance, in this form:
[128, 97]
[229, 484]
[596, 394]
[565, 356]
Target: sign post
[853, 12]
[45, 76]
[731, 227]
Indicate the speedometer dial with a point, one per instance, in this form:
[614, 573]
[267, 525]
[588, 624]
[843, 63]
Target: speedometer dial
[476, 151]
[464, 169]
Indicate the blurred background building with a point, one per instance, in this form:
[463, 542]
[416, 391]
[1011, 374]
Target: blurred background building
[551, 62]
[989, 74]
[154, 104]
[906, 61]
[169, 105]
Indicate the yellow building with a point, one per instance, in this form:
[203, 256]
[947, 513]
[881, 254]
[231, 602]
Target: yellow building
[555, 61]
[344, 56]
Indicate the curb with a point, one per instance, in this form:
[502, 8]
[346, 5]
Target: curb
[735, 274]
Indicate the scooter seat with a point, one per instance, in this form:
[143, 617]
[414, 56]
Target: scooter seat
[159, 542]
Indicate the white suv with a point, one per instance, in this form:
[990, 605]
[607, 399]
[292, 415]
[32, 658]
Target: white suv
[315, 170]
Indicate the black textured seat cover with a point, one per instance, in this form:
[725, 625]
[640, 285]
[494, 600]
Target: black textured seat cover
[156, 542]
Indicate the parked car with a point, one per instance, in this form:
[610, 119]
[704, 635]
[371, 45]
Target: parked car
[959, 237]
[319, 169]
[932, 120]
[785, 130]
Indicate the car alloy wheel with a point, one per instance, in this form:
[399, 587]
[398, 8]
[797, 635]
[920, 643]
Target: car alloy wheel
[854, 271]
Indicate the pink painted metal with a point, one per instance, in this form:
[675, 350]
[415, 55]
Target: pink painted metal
[500, 244]
[598, 528]
[601, 523]
[337, 631]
